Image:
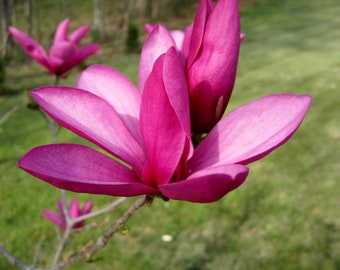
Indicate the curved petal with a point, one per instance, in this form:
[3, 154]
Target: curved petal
[81, 169]
[252, 131]
[54, 218]
[161, 129]
[204, 9]
[78, 34]
[92, 118]
[208, 185]
[30, 46]
[61, 32]
[117, 90]
[176, 88]
[157, 43]
[186, 41]
[211, 75]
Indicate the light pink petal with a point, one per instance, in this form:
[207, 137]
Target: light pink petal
[148, 27]
[78, 34]
[161, 129]
[81, 169]
[87, 207]
[116, 89]
[74, 211]
[61, 32]
[55, 218]
[92, 118]
[157, 43]
[204, 9]
[178, 37]
[208, 185]
[30, 46]
[252, 131]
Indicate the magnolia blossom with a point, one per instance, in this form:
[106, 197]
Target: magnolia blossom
[74, 212]
[147, 135]
[210, 47]
[65, 52]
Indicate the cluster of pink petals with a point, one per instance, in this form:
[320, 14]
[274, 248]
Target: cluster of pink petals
[147, 133]
[65, 52]
[74, 212]
[210, 47]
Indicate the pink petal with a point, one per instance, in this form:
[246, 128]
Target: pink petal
[61, 53]
[61, 32]
[252, 131]
[176, 88]
[208, 185]
[78, 34]
[178, 37]
[61, 208]
[87, 207]
[74, 211]
[30, 46]
[55, 218]
[81, 169]
[161, 129]
[211, 75]
[92, 118]
[81, 54]
[157, 43]
[117, 90]
[187, 39]
[204, 9]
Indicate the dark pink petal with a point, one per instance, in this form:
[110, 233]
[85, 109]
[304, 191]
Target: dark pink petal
[61, 32]
[176, 88]
[30, 46]
[87, 207]
[78, 34]
[55, 218]
[117, 90]
[211, 75]
[161, 129]
[251, 131]
[157, 43]
[81, 54]
[186, 41]
[92, 118]
[204, 9]
[81, 169]
[208, 185]
[61, 53]
[74, 211]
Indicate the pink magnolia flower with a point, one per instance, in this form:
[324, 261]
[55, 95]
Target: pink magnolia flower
[74, 212]
[65, 52]
[211, 48]
[148, 133]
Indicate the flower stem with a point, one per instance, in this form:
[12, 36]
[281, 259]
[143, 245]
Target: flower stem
[103, 240]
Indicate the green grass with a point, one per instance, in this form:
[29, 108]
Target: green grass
[285, 216]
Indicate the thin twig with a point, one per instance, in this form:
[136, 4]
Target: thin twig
[8, 114]
[14, 260]
[103, 240]
[99, 212]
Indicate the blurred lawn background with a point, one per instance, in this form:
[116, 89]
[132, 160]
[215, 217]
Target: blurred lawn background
[285, 216]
